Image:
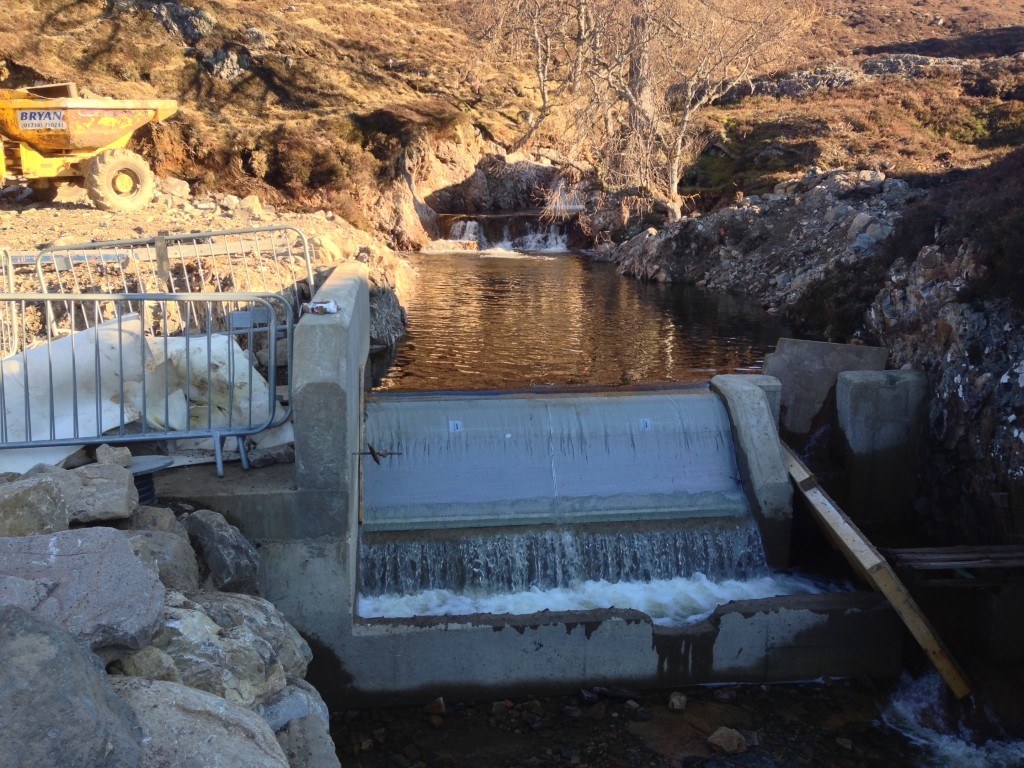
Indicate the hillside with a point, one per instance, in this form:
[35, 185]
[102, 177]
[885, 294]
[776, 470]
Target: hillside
[298, 101]
[311, 103]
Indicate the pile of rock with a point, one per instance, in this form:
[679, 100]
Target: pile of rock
[132, 636]
[774, 246]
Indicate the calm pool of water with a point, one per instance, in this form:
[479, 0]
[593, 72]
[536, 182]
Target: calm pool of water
[508, 320]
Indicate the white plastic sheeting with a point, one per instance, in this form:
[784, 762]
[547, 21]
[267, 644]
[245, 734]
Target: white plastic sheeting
[84, 371]
[113, 375]
[464, 461]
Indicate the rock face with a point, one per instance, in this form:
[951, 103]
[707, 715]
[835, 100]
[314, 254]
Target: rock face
[307, 744]
[96, 588]
[232, 561]
[57, 707]
[184, 727]
[798, 248]
[776, 246]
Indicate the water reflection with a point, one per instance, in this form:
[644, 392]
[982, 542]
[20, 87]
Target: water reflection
[504, 320]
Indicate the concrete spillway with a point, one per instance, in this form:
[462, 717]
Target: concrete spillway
[664, 460]
[470, 461]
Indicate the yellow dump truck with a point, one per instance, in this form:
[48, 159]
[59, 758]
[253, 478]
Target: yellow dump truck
[49, 136]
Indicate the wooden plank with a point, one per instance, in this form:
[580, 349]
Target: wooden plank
[959, 557]
[863, 556]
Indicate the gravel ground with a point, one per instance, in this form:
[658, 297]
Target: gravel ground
[829, 724]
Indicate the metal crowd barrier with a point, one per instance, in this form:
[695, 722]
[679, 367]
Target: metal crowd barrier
[103, 370]
[274, 260]
[9, 343]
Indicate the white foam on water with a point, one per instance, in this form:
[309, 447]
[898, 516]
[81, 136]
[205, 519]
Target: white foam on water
[499, 252]
[669, 602]
[918, 710]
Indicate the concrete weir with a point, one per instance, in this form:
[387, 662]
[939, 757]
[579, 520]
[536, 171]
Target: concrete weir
[452, 464]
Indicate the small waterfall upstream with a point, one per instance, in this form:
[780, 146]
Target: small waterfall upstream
[516, 231]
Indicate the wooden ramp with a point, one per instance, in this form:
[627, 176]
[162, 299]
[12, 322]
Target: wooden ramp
[863, 556]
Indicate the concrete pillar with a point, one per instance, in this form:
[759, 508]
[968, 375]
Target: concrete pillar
[880, 420]
[808, 370]
[749, 401]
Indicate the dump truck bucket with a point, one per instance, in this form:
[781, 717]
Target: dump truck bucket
[75, 125]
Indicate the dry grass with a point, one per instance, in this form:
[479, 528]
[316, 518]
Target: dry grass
[336, 88]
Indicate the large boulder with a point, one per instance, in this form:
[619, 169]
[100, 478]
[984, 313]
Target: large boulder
[185, 727]
[96, 588]
[170, 556]
[233, 663]
[263, 619]
[57, 707]
[33, 505]
[233, 562]
[95, 492]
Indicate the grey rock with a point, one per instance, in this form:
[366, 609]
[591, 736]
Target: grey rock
[94, 492]
[173, 187]
[183, 727]
[33, 505]
[727, 740]
[233, 562]
[107, 493]
[235, 664]
[229, 611]
[57, 707]
[677, 701]
[859, 224]
[307, 744]
[170, 556]
[150, 663]
[157, 519]
[107, 454]
[96, 587]
[297, 700]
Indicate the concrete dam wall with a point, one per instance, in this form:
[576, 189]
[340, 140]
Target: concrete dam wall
[468, 461]
[449, 465]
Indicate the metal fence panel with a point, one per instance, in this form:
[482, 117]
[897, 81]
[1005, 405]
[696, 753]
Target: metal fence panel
[274, 260]
[102, 370]
[8, 319]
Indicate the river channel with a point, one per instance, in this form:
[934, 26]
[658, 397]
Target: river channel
[503, 319]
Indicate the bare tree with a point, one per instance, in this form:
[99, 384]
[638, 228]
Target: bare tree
[628, 79]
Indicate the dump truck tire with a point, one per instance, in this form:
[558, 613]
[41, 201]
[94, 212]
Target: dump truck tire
[119, 180]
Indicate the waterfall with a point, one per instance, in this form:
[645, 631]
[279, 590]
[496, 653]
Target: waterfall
[515, 231]
[558, 557]
[467, 230]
